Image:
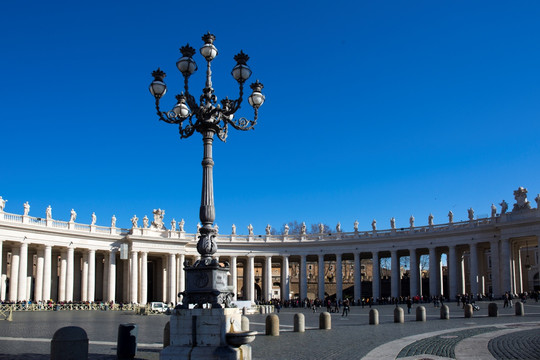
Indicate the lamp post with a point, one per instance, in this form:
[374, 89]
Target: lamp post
[204, 280]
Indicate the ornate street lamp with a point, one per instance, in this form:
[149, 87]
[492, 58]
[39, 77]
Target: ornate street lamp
[206, 279]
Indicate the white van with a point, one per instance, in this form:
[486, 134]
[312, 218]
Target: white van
[158, 307]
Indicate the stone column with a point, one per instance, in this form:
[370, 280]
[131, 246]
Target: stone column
[452, 272]
[105, 277]
[285, 279]
[234, 277]
[112, 275]
[181, 280]
[357, 277]
[505, 265]
[473, 268]
[125, 281]
[23, 271]
[144, 278]
[38, 286]
[303, 277]
[339, 278]
[172, 279]
[461, 260]
[2, 277]
[376, 276]
[249, 279]
[268, 278]
[164, 277]
[415, 277]
[518, 269]
[47, 269]
[433, 271]
[63, 276]
[495, 270]
[91, 275]
[84, 277]
[70, 274]
[396, 276]
[14, 276]
[134, 277]
[320, 276]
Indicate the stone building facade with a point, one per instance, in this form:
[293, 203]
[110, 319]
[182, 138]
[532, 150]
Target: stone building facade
[43, 258]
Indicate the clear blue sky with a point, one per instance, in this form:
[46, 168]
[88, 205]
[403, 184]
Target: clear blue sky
[373, 109]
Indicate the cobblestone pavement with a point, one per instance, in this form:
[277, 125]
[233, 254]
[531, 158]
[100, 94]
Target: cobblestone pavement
[481, 337]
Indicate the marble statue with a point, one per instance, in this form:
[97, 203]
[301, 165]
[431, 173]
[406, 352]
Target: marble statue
[411, 221]
[493, 210]
[450, 217]
[198, 227]
[537, 199]
[173, 225]
[72, 216]
[216, 228]
[113, 221]
[93, 219]
[470, 214]
[303, 229]
[250, 229]
[286, 229]
[393, 223]
[355, 225]
[374, 225]
[145, 221]
[134, 220]
[338, 227]
[181, 225]
[321, 228]
[158, 219]
[48, 213]
[504, 207]
[233, 231]
[2, 204]
[430, 219]
[521, 199]
[268, 229]
[26, 208]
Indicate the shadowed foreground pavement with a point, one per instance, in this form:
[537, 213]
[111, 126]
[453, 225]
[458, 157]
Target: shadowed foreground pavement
[506, 337]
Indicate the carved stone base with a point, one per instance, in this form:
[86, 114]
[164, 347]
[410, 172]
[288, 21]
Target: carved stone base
[201, 334]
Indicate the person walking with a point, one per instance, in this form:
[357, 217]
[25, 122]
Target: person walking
[345, 308]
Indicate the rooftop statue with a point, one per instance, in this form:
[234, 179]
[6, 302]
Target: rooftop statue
[158, 219]
[338, 227]
[430, 219]
[286, 229]
[411, 221]
[26, 208]
[113, 221]
[181, 225]
[48, 213]
[471, 214]
[94, 219]
[374, 224]
[250, 229]
[493, 210]
[216, 228]
[321, 228]
[2, 204]
[134, 220]
[355, 225]
[145, 221]
[393, 223]
[173, 225]
[198, 227]
[504, 207]
[521, 199]
[72, 216]
[450, 217]
[233, 231]
[268, 229]
[303, 229]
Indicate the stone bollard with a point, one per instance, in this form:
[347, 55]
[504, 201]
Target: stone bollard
[468, 312]
[244, 310]
[445, 312]
[245, 323]
[272, 325]
[520, 310]
[493, 310]
[167, 334]
[70, 342]
[127, 341]
[420, 313]
[399, 315]
[325, 321]
[373, 317]
[299, 322]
